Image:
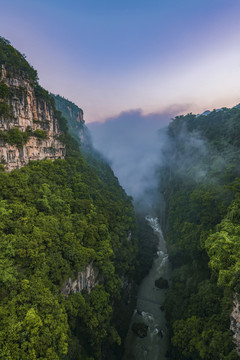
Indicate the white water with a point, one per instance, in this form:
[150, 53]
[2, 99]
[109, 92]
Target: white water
[150, 298]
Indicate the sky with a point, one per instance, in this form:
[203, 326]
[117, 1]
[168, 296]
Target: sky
[114, 56]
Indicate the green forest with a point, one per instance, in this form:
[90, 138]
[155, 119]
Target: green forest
[201, 184]
[57, 218]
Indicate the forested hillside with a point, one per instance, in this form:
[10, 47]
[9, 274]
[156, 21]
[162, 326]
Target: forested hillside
[201, 185]
[58, 219]
[147, 241]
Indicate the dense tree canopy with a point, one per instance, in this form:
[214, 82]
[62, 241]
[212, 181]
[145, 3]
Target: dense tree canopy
[15, 62]
[56, 217]
[202, 193]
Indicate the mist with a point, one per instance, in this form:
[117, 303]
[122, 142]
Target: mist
[132, 144]
[186, 153]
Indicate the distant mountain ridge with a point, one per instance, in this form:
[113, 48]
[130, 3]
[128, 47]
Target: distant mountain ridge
[207, 112]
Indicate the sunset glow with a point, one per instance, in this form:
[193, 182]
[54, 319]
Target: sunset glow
[149, 55]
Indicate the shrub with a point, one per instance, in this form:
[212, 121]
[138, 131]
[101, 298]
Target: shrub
[40, 134]
[17, 137]
[4, 91]
[4, 109]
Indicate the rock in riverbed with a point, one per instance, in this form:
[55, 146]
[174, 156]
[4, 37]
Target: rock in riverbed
[140, 329]
[161, 283]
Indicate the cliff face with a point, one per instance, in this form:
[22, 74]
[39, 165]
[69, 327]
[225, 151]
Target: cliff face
[70, 111]
[85, 280]
[235, 324]
[28, 112]
[76, 124]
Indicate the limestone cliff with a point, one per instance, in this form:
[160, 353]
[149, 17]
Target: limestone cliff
[76, 124]
[235, 323]
[25, 108]
[85, 280]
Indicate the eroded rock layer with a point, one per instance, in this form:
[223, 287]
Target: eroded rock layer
[32, 114]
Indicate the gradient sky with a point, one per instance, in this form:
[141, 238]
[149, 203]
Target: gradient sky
[110, 56]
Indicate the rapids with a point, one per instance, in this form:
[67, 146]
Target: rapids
[148, 310]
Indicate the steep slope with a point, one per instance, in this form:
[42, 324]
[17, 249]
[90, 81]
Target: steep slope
[29, 129]
[79, 131]
[74, 116]
[68, 244]
[200, 183]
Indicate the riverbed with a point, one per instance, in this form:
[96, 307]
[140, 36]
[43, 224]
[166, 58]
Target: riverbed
[149, 308]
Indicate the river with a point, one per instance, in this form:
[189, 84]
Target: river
[148, 311]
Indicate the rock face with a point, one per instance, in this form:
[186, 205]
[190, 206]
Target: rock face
[86, 280]
[235, 323]
[28, 111]
[74, 116]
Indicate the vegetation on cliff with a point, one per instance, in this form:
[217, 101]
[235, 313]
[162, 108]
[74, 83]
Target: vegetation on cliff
[56, 218]
[73, 114]
[147, 240]
[15, 62]
[201, 185]
[14, 136]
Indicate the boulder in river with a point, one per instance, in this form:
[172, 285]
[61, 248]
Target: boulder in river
[161, 283]
[160, 333]
[140, 329]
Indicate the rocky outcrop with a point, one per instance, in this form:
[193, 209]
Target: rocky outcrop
[13, 157]
[140, 329]
[161, 283]
[76, 114]
[85, 280]
[70, 111]
[76, 124]
[235, 323]
[28, 111]
[129, 236]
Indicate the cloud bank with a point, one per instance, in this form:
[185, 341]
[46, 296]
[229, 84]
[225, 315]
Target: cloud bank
[132, 144]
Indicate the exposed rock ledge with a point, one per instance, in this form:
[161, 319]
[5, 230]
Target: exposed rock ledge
[26, 110]
[14, 158]
[86, 280]
[235, 323]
